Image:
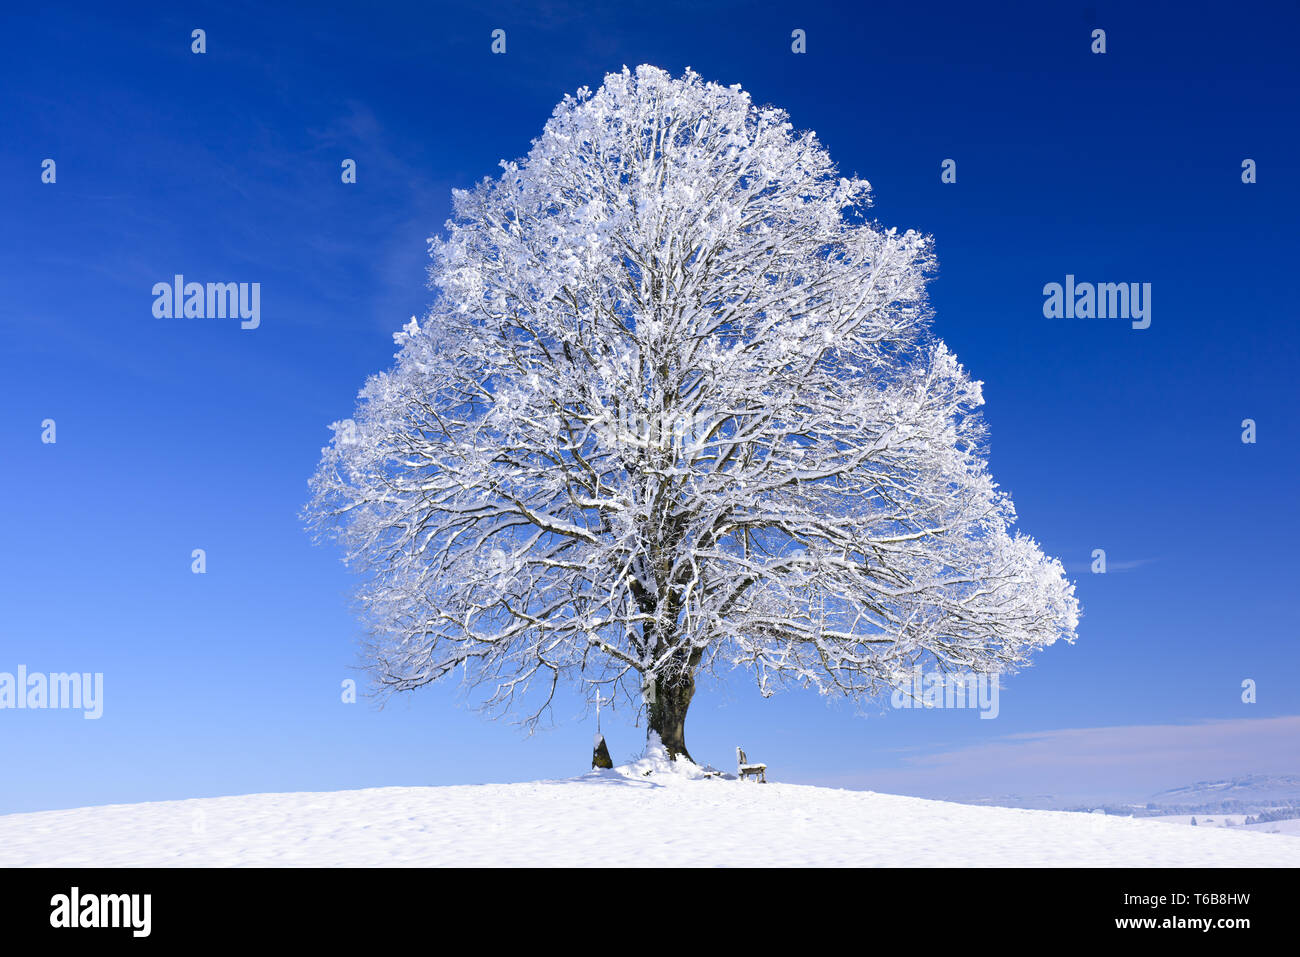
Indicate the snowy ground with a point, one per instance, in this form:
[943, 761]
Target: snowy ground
[1289, 826]
[613, 818]
[1202, 820]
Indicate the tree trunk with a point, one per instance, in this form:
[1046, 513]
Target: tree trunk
[670, 697]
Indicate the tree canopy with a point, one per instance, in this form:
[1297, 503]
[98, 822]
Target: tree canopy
[677, 406]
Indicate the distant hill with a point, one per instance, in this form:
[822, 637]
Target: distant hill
[1252, 794]
[1253, 788]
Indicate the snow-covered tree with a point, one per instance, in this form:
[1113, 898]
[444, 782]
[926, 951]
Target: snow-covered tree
[676, 407]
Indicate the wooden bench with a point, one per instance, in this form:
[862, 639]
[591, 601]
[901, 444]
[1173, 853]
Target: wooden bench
[757, 771]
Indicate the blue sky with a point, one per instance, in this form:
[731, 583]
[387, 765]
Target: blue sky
[183, 434]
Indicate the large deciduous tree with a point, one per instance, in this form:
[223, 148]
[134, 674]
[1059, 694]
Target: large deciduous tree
[676, 407]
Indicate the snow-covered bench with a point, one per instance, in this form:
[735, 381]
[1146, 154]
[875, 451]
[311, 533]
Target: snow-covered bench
[757, 771]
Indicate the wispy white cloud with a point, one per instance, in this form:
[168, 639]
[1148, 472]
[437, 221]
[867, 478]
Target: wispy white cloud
[1079, 568]
[1126, 762]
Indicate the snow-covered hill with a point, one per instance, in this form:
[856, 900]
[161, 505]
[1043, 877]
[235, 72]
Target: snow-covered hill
[621, 817]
